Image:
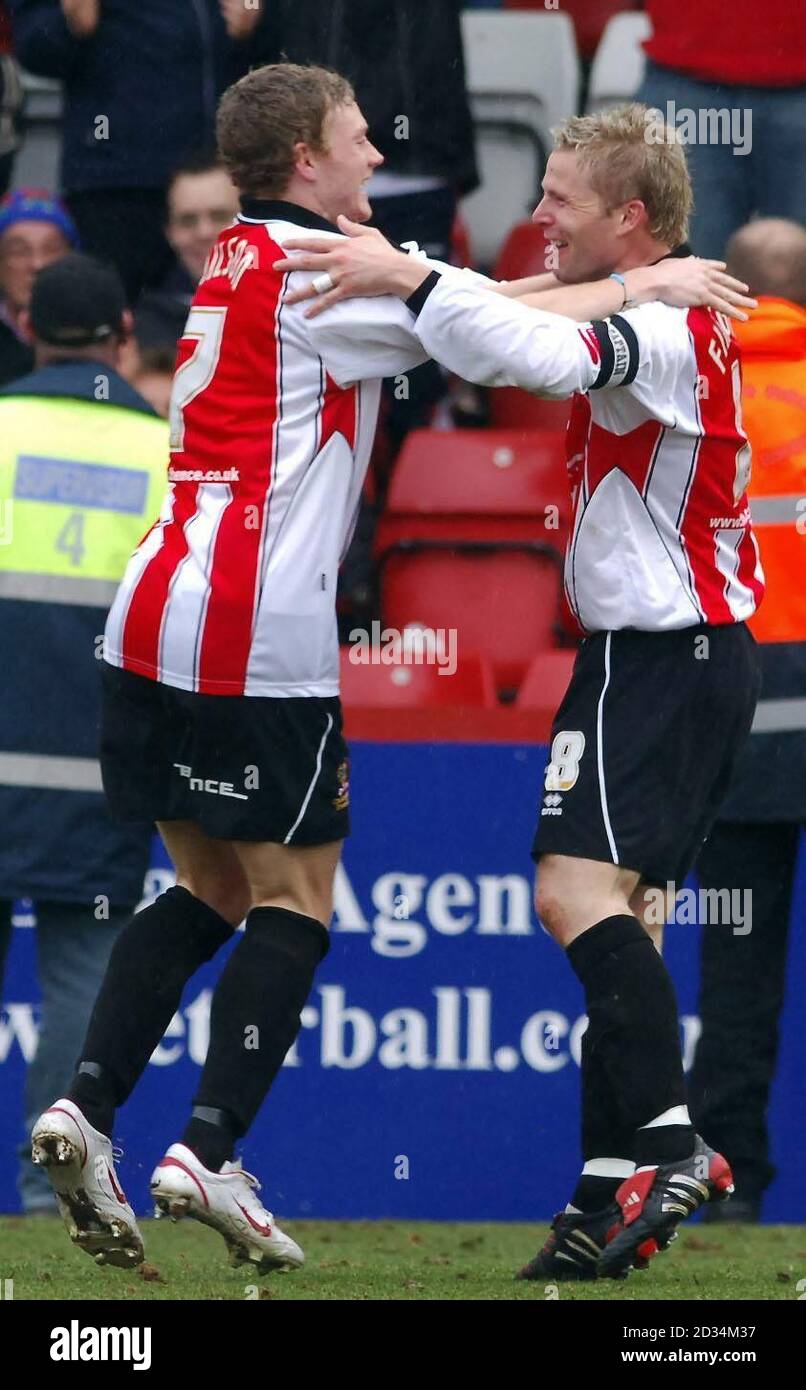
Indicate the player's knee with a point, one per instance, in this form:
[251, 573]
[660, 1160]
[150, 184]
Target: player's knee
[307, 903]
[228, 896]
[551, 904]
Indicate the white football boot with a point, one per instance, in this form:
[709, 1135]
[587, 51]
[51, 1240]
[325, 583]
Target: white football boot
[81, 1167]
[227, 1201]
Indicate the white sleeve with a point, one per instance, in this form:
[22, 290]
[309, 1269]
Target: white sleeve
[495, 341]
[362, 339]
[365, 339]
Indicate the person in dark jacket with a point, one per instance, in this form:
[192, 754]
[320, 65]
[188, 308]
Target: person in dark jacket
[10, 102]
[142, 80]
[82, 473]
[409, 80]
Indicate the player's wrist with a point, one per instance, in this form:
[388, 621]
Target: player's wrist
[642, 284]
[639, 285]
[407, 275]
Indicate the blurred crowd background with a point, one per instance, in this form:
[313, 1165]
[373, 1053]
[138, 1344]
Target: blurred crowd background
[107, 111]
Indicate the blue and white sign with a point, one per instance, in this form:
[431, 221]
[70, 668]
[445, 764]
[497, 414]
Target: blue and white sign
[436, 1072]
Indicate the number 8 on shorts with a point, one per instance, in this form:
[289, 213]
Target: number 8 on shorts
[562, 769]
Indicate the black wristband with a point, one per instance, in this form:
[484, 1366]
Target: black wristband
[416, 301]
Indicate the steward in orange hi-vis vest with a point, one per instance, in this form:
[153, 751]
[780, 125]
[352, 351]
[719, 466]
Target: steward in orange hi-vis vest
[771, 780]
[773, 344]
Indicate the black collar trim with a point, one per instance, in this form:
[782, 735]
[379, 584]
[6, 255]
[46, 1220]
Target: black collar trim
[275, 210]
[682, 250]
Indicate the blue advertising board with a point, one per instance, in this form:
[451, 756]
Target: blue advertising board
[436, 1072]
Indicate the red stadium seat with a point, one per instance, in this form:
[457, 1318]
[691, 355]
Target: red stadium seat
[407, 685]
[589, 16]
[546, 681]
[477, 485]
[502, 599]
[523, 252]
[511, 409]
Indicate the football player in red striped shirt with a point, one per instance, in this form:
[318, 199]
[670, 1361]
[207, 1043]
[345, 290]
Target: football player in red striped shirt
[662, 571]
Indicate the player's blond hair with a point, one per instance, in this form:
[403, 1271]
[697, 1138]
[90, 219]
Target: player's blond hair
[261, 118]
[630, 152]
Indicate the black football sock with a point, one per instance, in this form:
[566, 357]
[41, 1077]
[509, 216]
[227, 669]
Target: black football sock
[211, 1134]
[663, 1144]
[605, 1141]
[254, 1019]
[593, 1192]
[151, 962]
[632, 1010]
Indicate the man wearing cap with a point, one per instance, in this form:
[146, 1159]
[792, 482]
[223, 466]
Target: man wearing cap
[82, 473]
[141, 81]
[35, 230]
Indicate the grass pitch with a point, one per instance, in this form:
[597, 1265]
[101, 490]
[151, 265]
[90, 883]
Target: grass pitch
[392, 1260]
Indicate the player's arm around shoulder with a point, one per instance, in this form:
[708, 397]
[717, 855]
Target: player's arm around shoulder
[494, 341]
[360, 339]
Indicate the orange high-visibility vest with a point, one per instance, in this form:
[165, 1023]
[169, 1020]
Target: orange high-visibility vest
[773, 344]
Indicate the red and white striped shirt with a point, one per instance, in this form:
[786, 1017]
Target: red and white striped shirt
[657, 456]
[232, 591]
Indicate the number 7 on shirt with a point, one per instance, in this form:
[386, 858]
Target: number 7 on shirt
[206, 325]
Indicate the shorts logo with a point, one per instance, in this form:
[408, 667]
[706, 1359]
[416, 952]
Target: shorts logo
[209, 784]
[342, 800]
[562, 769]
[552, 805]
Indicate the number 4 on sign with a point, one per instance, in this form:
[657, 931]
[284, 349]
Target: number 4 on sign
[70, 540]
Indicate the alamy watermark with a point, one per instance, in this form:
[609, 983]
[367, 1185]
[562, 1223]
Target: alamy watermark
[708, 907]
[707, 125]
[414, 646]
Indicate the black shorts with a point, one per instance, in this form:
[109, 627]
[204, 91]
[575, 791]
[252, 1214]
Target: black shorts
[644, 744]
[241, 767]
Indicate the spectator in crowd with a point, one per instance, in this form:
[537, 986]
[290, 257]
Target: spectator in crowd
[82, 474]
[409, 82]
[35, 229]
[123, 135]
[201, 200]
[10, 102]
[748, 62]
[411, 89]
[754, 845]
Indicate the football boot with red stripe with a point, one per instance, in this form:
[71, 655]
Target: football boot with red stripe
[80, 1164]
[655, 1200]
[227, 1201]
